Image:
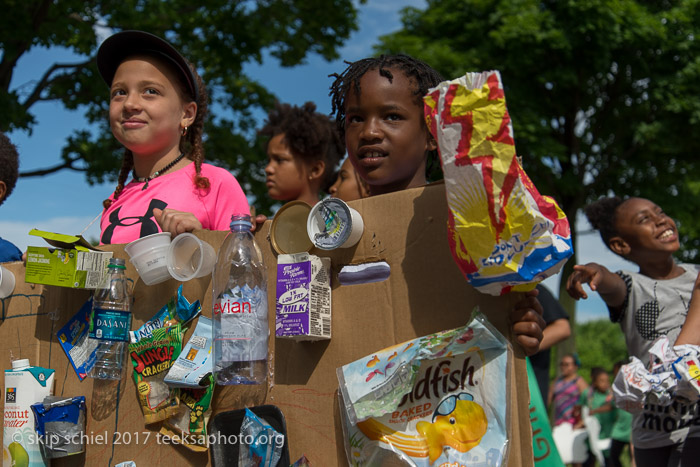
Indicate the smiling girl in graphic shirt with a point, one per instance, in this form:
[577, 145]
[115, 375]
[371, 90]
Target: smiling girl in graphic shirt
[156, 110]
[648, 303]
[379, 111]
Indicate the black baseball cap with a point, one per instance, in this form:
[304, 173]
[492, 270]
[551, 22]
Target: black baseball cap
[116, 48]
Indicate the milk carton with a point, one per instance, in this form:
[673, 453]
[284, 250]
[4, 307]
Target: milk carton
[303, 306]
[24, 386]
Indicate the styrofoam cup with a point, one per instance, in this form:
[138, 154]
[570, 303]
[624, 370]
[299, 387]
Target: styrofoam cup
[143, 244]
[152, 265]
[189, 257]
[7, 282]
[333, 224]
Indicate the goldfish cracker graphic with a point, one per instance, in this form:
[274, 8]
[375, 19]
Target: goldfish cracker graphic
[504, 235]
[458, 422]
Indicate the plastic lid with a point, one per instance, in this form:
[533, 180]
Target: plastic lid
[19, 364]
[117, 262]
[288, 232]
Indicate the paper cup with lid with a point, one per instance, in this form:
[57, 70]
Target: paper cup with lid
[333, 224]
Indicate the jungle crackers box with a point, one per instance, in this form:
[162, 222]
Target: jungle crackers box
[72, 262]
[303, 306]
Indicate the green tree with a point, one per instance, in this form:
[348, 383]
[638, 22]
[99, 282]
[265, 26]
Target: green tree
[219, 36]
[603, 94]
[599, 343]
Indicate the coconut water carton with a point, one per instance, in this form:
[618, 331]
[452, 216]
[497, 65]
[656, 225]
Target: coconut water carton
[24, 386]
[303, 306]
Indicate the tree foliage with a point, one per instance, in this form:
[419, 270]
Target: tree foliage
[603, 94]
[219, 36]
[599, 343]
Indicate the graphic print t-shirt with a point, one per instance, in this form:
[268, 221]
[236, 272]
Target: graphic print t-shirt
[131, 216]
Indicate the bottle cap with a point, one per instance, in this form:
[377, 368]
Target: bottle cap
[117, 262]
[19, 364]
[240, 222]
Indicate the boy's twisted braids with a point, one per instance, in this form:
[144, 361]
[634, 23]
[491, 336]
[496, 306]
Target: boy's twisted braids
[422, 74]
[602, 215]
[9, 165]
[191, 143]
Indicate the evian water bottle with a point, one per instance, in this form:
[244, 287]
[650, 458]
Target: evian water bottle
[239, 312]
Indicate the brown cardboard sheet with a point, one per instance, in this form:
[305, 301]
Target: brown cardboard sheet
[425, 293]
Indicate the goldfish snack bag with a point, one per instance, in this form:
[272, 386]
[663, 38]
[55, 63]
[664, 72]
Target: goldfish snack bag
[152, 357]
[504, 235]
[437, 400]
[189, 425]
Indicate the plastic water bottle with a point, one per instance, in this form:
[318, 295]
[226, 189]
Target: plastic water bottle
[239, 314]
[110, 322]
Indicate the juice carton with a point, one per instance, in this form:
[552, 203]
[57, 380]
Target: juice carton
[303, 306]
[24, 386]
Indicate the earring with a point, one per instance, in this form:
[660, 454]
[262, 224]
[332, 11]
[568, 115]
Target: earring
[184, 131]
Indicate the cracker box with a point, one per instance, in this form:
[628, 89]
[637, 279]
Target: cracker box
[70, 262]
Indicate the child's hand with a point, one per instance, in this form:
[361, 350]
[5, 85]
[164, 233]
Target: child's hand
[176, 222]
[258, 221]
[527, 322]
[590, 274]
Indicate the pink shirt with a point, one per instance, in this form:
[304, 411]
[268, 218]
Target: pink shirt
[131, 215]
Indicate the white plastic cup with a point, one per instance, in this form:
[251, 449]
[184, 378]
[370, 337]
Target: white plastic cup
[333, 224]
[152, 265]
[189, 257]
[7, 282]
[143, 244]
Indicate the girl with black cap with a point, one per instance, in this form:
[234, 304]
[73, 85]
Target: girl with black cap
[156, 110]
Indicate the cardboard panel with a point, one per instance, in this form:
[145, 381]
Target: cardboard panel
[425, 293]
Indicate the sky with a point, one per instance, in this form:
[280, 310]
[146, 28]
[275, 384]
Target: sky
[64, 203]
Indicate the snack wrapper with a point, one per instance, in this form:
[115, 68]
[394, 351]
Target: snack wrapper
[262, 444]
[152, 357]
[504, 235]
[673, 374]
[431, 401]
[177, 310]
[189, 425]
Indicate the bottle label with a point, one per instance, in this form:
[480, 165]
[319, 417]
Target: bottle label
[240, 325]
[110, 325]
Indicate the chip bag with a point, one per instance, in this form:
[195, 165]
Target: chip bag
[504, 235]
[152, 357]
[436, 400]
[189, 425]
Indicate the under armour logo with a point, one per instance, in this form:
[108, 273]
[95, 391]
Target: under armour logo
[148, 224]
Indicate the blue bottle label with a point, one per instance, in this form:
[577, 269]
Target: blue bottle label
[111, 325]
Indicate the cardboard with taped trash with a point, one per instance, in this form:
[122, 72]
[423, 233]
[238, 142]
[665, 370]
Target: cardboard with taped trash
[424, 293]
[71, 261]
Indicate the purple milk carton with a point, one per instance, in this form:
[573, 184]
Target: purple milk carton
[303, 306]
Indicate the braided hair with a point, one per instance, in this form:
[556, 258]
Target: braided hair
[190, 143]
[310, 135]
[420, 73]
[602, 215]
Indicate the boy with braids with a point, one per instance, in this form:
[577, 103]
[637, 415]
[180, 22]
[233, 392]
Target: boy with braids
[9, 172]
[649, 303]
[303, 150]
[157, 108]
[378, 105]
